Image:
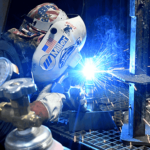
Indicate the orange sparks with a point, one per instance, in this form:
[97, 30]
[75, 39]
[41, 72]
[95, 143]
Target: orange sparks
[118, 69]
[112, 118]
[146, 122]
[111, 91]
[148, 138]
[148, 111]
[126, 49]
[90, 131]
[112, 104]
[135, 88]
[82, 138]
[75, 139]
[120, 129]
[123, 95]
[121, 122]
[130, 144]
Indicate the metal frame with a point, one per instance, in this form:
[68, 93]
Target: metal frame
[134, 131]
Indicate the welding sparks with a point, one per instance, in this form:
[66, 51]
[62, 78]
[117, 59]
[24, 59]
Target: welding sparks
[148, 111]
[111, 91]
[82, 138]
[121, 122]
[112, 104]
[118, 69]
[90, 131]
[99, 69]
[130, 144]
[112, 118]
[146, 122]
[148, 138]
[120, 129]
[135, 88]
[126, 49]
[96, 65]
[75, 139]
[123, 95]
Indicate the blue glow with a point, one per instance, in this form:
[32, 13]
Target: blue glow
[106, 51]
[93, 68]
[89, 69]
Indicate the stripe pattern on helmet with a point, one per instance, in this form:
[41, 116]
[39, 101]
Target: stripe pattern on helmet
[46, 12]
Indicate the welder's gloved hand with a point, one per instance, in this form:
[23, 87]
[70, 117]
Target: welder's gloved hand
[48, 105]
[75, 99]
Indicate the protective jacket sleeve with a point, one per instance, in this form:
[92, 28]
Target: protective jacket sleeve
[48, 105]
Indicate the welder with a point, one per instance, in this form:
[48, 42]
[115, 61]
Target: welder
[43, 48]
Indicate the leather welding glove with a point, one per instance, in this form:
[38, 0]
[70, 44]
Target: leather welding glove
[48, 105]
[75, 99]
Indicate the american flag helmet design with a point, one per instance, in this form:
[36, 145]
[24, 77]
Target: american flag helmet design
[46, 12]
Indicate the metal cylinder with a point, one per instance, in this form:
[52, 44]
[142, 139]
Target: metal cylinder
[30, 139]
[90, 105]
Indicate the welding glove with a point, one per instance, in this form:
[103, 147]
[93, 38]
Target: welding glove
[75, 99]
[48, 105]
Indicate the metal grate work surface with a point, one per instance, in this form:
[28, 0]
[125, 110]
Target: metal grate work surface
[109, 140]
[95, 140]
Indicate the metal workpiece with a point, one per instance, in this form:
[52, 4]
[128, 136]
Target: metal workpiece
[139, 36]
[126, 76]
[94, 120]
[133, 44]
[137, 103]
[132, 8]
[138, 78]
[18, 110]
[89, 90]
[90, 97]
[39, 138]
[92, 104]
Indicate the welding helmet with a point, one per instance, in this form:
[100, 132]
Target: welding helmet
[61, 44]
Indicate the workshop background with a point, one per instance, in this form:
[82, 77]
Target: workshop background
[108, 37]
[108, 24]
